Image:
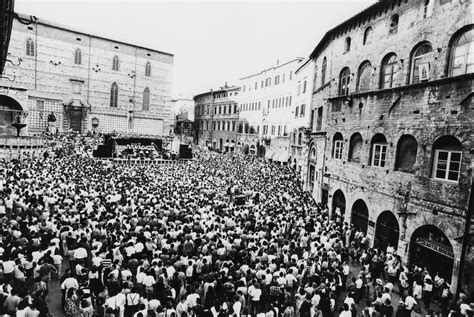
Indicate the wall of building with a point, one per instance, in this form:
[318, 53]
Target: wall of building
[49, 75]
[267, 104]
[300, 124]
[427, 111]
[216, 117]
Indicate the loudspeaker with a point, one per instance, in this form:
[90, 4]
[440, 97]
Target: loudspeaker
[185, 152]
[239, 200]
[103, 151]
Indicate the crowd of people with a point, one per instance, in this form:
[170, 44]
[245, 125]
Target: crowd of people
[169, 241]
[138, 151]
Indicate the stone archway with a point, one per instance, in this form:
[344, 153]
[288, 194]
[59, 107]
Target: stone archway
[387, 230]
[430, 248]
[360, 216]
[339, 201]
[9, 110]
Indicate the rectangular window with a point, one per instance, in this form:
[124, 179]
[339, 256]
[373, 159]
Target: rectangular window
[297, 111]
[279, 130]
[338, 149]
[261, 84]
[447, 165]
[312, 171]
[304, 86]
[290, 102]
[283, 78]
[277, 79]
[40, 108]
[291, 74]
[273, 130]
[379, 152]
[302, 110]
[258, 129]
[299, 89]
[76, 87]
[284, 131]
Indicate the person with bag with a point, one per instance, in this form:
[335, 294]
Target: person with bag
[132, 300]
[70, 304]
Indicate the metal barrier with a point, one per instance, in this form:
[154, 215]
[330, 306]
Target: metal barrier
[138, 162]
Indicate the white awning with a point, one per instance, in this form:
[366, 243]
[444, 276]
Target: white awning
[269, 155]
[281, 156]
[226, 144]
[231, 144]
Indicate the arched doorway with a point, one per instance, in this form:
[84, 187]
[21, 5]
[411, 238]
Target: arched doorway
[221, 145]
[9, 110]
[262, 151]
[360, 216]
[339, 201]
[430, 248]
[245, 149]
[386, 230]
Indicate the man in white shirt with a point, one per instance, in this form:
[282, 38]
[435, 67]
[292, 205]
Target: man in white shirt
[410, 302]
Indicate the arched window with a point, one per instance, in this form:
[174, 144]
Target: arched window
[347, 45]
[146, 99]
[462, 53]
[407, 148]
[114, 95]
[367, 35]
[393, 24]
[313, 153]
[420, 63]
[344, 80]
[388, 71]
[148, 69]
[30, 47]
[337, 143]
[300, 137]
[323, 71]
[364, 77]
[78, 57]
[447, 156]
[355, 148]
[115, 63]
[378, 147]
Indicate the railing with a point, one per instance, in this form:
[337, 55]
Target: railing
[137, 162]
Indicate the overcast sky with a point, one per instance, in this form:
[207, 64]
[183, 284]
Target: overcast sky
[212, 42]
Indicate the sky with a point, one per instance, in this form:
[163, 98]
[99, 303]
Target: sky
[212, 42]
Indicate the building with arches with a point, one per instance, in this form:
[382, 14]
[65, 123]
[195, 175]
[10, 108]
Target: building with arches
[216, 117]
[392, 154]
[89, 83]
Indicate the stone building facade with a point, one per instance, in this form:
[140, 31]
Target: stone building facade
[266, 110]
[302, 120]
[87, 82]
[216, 117]
[393, 150]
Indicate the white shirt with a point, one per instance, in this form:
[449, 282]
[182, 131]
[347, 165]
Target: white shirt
[409, 302]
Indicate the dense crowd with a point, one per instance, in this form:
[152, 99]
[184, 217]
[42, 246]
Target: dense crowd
[138, 151]
[169, 241]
